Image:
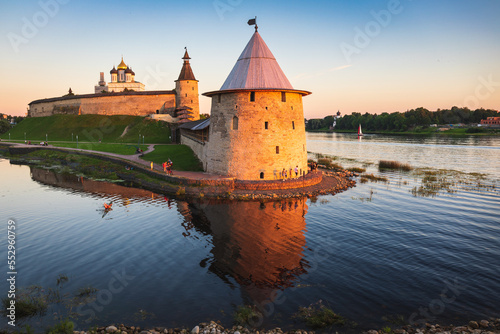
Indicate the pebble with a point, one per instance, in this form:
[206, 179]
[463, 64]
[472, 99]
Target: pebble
[111, 329]
[195, 330]
[484, 323]
[473, 324]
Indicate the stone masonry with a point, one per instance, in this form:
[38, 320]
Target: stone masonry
[256, 140]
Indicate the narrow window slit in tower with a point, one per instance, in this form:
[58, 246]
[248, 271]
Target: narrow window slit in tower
[235, 123]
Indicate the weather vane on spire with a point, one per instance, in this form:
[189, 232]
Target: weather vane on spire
[253, 22]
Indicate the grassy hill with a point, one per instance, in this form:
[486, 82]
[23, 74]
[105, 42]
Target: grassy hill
[181, 155]
[91, 128]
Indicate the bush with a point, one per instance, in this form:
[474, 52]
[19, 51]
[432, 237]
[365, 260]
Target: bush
[475, 130]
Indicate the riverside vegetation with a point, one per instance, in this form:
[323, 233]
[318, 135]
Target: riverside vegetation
[37, 301]
[416, 121]
[432, 182]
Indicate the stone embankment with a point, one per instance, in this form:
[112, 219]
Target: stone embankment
[473, 327]
[491, 326]
[203, 185]
[203, 328]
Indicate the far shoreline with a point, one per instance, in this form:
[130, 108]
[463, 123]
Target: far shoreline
[451, 132]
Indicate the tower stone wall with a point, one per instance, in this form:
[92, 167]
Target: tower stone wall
[256, 140]
[187, 96]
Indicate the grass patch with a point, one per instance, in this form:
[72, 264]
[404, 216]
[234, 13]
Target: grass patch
[91, 167]
[437, 181]
[244, 314]
[374, 178]
[91, 128]
[61, 279]
[63, 327]
[328, 163]
[32, 301]
[125, 149]
[182, 156]
[386, 164]
[319, 316]
[86, 292]
[357, 169]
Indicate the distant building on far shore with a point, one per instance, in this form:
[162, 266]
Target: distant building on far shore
[491, 121]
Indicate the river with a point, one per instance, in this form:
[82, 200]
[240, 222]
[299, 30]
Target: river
[379, 253]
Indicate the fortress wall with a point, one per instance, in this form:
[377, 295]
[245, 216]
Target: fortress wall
[60, 107]
[198, 148]
[250, 150]
[135, 105]
[126, 104]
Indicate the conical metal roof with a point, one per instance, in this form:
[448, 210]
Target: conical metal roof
[186, 71]
[256, 68]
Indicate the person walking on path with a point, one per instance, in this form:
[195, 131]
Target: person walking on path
[296, 171]
[151, 165]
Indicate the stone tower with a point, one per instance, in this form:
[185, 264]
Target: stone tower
[257, 120]
[186, 89]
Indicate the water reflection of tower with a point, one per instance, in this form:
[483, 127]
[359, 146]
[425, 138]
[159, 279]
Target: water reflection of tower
[258, 245]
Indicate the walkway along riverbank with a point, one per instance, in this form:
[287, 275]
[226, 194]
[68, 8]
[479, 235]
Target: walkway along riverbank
[200, 184]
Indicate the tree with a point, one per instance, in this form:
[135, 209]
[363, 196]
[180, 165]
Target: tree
[4, 126]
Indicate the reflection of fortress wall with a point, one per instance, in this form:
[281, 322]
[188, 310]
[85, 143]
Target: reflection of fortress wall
[55, 179]
[127, 103]
[259, 245]
[78, 183]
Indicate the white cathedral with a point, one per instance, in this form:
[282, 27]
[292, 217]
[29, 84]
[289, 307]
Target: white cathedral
[122, 78]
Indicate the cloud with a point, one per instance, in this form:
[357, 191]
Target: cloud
[339, 68]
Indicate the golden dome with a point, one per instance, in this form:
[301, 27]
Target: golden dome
[122, 66]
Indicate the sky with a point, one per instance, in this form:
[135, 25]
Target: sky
[354, 56]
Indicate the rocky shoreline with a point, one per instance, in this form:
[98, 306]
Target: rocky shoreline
[491, 326]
